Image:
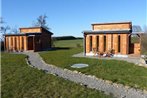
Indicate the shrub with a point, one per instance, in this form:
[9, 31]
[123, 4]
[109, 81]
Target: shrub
[144, 43]
[78, 45]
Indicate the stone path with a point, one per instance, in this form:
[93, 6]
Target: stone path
[117, 90]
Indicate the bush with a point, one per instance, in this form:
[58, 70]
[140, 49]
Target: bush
[78, 45]
[144, 43]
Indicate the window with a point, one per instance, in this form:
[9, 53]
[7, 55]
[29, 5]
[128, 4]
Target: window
[111, 41]
[97, 43]
[104, 42]
[118, 43]
[15, 43]
[22, 48]
[90, 43]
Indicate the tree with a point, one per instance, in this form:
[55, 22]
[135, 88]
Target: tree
[144, 41]
[41, 22]
[145, 29]
[3, 28]
[14, 30]
[136, 28]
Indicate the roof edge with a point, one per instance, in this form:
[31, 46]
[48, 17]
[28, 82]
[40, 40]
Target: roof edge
[104, 23]
[36, 27]
[106, 31]
[29, 27]
[23, 34]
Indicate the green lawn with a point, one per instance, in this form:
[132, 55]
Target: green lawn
[116, 71]
[69, 43]
[21, 81]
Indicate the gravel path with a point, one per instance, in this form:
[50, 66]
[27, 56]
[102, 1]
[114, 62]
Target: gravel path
[117, 90]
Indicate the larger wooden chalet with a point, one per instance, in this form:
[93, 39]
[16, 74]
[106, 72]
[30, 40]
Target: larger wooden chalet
[107, 36]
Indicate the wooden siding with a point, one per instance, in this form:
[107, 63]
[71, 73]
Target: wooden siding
[111, 43]
[111, 26]
[30, 30]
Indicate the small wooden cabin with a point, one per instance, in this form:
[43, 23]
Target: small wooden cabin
[107, 36]
[32, 38]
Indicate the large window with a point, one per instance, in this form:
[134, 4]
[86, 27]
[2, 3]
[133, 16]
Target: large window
[90, 43]
[104, 42]
[118, 43]
[97, 43]
[22, 46]
[111, 41]
[15, 43]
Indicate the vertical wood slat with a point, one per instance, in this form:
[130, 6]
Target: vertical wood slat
[108, 42]
[87, 44]
[17, 42]
[124, 44]
[115, 43]
[25, 43]
[7, 43]
[94, 41]
[13, 43]
[101, 43]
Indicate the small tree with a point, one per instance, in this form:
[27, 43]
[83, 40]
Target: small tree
[145, 28]
[41, 22]
[136, 28]
[3, 28]
[144, 41]
[14, 30]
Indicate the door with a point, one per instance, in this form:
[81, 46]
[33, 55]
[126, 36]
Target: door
[30, 43]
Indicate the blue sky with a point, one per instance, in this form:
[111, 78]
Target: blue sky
[71, 17]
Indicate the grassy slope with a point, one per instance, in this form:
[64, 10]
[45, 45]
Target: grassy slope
[19, 81]
[116, 71]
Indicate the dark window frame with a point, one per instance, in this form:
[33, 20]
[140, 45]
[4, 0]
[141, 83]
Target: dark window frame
[97, 43]
[104, 43]
[90, 43]
[119, 42]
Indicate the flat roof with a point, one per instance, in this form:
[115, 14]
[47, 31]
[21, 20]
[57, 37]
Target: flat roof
[105, 23]
[23, 34]
[106, 31]
[30, 27]
[36, 27]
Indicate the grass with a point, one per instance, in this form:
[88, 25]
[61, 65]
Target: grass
[114, 70]
[21, 81]
[69, 43]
